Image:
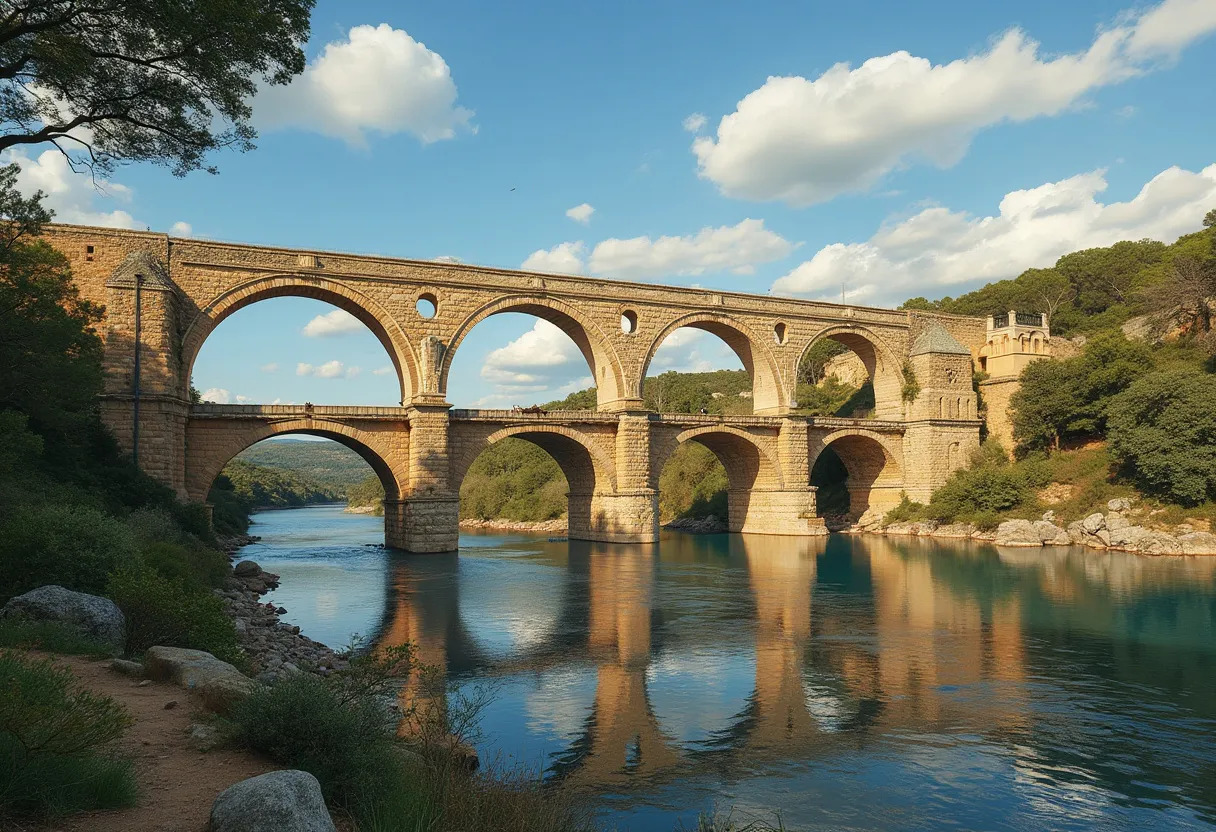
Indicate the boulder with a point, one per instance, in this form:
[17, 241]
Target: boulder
[1198, 543]
[221, 694]
[1018, 533]
[246, 569]
[955, 530]
[1145, 541]
[94, 617]
[1117, 522]
[1050, 534]
[272, 802]
[1119, 504]
[1094, 523]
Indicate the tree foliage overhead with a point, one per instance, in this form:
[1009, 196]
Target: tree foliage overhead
[164, 81]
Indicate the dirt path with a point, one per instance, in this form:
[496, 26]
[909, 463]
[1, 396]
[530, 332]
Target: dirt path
[177, 782]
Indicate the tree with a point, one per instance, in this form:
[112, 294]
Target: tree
[50, 357]
[1046, 404]
[1210, 219]
[1069, 398]
[1104, 277]
[1186, 296]
[164, 81]
[1046, 290]
[1163, 430]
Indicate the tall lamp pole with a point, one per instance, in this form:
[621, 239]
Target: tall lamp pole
[139, 282]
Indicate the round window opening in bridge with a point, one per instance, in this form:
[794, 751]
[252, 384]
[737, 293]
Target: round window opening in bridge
[779, 333]
[629, 322]
[427, 305]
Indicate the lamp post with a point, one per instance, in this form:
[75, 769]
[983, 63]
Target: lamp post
[139, 282]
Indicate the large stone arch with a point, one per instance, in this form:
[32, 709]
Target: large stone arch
[590, 471]
[768, 391]
[874, 463]
[751, 466]
[590, 339]
[374, 316]
[210, 445]
[881, 361]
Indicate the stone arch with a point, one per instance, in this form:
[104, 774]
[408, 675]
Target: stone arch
[768, 392]
[874, 466]
[751, 465]
[592, 342]
[369, 312]
[882, 364]
[212, 445]
[590, 472]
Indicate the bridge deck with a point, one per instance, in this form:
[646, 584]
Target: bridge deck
[566, 417]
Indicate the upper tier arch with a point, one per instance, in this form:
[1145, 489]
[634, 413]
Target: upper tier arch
[768, 392]
[375, 317]
[590, 339]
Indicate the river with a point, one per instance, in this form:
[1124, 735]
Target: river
[850, 682]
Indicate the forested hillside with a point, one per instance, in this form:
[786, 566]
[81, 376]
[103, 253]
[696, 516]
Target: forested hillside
[328, 465]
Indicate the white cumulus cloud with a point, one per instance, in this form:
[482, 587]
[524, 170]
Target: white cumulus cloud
[542, 358]
[379, 79]
[382, 371]
[805, 141]
[216, 395]
[72, 195]
[563, 258]
[694, 122]
[581, 213]
[330, 369]
[181, 229]
[337, 322]
[938, 248]
[737, 248]
[272, 367]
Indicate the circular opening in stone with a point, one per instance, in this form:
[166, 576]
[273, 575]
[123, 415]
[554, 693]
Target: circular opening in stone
[427, 305]
[779, 332]
[629, 322]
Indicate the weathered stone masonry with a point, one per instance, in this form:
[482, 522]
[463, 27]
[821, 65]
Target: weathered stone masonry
[611, 456]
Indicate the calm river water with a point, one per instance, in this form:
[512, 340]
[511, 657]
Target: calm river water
[852, 683]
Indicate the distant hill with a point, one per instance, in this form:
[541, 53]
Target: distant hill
[329, 465]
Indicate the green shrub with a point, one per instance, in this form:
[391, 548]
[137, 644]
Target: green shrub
[52, 636]
[343, 736]
[905, 512]
[161, 611]
[73, 546]
[56, 740]
[196, 566]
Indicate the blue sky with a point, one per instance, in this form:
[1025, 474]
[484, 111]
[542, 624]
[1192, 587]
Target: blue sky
[893, 149]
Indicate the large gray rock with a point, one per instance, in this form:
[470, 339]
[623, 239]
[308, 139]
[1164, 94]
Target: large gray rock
[246, 569]
[273, 802]
[1198, 543]
[1094, 523]
[1018, 533]
[1119, 504]
[188, 668]
[92, 616]
[1050, 534]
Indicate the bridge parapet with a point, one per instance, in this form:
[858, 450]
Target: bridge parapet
[208, 410]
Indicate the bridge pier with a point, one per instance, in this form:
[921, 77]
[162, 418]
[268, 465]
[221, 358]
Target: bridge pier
[775, 511]
[424, 525]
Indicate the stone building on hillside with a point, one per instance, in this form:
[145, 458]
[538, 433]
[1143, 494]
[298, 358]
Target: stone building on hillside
[1014, 340]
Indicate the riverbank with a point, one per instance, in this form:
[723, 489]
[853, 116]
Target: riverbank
[1120, 528]
[558, 525]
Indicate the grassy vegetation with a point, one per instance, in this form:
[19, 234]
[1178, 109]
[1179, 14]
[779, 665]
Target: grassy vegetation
[49, 636]
[340, 730]
[57, 744]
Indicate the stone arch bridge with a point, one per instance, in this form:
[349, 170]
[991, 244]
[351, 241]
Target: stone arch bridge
[920, 365]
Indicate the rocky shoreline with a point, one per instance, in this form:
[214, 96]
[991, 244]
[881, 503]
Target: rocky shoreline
[1112, 530]
[697, 525]
[553, 526]
[273, 647]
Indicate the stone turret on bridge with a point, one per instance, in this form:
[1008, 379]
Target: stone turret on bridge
[919, 363]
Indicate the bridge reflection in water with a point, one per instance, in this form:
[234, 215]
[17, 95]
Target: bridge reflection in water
[822, 651]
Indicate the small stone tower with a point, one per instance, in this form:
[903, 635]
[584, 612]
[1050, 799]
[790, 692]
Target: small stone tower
[1014, 340]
